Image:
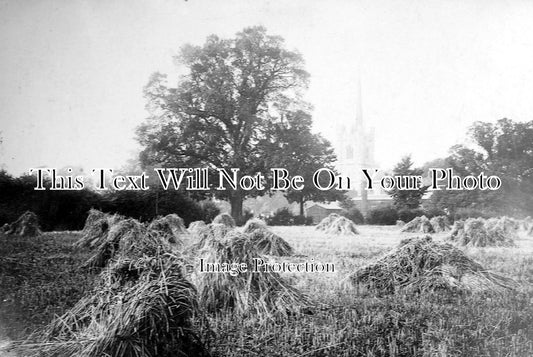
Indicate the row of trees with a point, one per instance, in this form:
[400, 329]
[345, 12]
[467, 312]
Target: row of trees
[67, 210]
[504, 149]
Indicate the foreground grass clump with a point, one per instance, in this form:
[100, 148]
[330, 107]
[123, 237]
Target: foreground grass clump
[39, 278]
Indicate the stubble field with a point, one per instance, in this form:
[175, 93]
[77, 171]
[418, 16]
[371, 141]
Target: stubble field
[40, 278]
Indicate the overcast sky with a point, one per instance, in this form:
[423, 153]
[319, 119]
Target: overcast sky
[72, 72]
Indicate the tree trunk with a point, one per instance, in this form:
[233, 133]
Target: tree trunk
[302, 207]
[236, 201]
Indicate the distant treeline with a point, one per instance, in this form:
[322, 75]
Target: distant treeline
[67, 210]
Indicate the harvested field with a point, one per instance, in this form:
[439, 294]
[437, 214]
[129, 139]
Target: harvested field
[338, 319]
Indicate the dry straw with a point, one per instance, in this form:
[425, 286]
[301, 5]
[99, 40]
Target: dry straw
[210, 233]
[171, 228]
[440, 224]
[418, 225]
[254, 224]
[478, 232]
[266, 241]
[263, 293]
[27, 225]
[269, 243]
[140, 308]
[527, 225]
[337, 225]
[326, 222]
[96, 228]
[196, 226]
[224, 219]
[420, 265]
[128, 238]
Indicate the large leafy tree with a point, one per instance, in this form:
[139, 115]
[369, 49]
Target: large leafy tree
[505, 149]
[294, 146]
[222, 107]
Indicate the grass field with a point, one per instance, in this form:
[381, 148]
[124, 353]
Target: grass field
[40, 277]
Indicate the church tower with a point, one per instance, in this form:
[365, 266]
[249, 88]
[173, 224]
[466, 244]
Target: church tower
[355, 149]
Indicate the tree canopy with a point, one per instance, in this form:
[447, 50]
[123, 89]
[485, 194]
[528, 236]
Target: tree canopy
[407, 199]
[505, 149]
[292, 145]
[223, 106]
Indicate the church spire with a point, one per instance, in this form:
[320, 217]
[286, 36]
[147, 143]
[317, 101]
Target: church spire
[358, 104]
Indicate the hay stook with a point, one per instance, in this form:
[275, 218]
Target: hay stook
[212, 232]
[196, 226]
[337, 225]
[140, 307]
[171, 228]
[27, 225]
[264, 294]
[269, 243]
[128, 239]
[264, 240]
[225, 219]
[418, 225]
[421, 265]
[326, 222]
[440, 224]
[96, 228]
[254, 224]
[478, 232]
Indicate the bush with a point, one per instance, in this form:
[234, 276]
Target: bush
[282, 217]
[57, 210]
[382, 216]
[408, 214]
[435, 212]
[354, 215]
